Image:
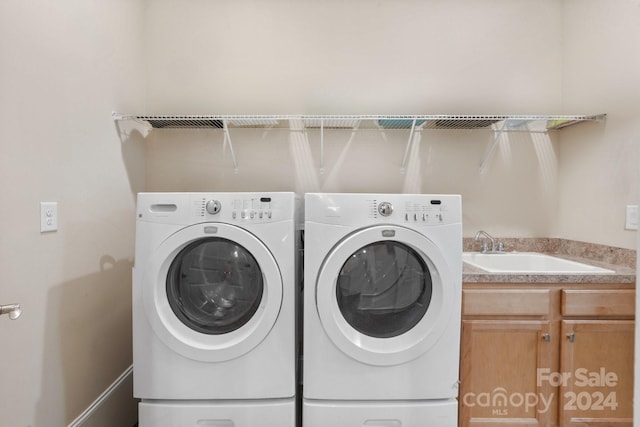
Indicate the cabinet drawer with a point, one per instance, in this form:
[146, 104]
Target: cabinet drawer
[506, 302]
[598, 302]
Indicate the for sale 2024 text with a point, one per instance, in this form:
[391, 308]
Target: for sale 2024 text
[597, 393]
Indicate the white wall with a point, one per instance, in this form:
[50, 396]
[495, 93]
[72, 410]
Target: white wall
[358, 56]
[65, 66]
[599, 165]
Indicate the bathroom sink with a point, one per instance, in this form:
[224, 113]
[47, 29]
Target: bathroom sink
[529, 263]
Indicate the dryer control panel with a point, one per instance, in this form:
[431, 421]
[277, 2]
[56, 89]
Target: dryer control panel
[413, 211]
[364, 209]
[426, 213]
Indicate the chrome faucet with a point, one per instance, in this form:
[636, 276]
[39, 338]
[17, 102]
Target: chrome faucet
[485, 247]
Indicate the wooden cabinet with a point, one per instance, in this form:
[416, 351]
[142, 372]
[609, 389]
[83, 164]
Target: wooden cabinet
[500, 360]
[543, 356]
[599, 355]
[506, 340]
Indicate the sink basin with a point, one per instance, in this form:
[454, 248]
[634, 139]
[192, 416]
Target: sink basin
[529, 263]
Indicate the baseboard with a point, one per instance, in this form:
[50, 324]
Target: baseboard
[114, 407]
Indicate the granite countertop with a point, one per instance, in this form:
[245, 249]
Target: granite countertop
[621, 261]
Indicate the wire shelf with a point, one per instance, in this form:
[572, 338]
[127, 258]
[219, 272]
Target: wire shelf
[502, 123]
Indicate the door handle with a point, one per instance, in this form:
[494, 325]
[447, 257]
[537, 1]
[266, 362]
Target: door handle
[13, 310]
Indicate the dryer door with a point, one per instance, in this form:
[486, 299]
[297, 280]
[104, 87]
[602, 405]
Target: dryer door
[385, 295]
[212, 292]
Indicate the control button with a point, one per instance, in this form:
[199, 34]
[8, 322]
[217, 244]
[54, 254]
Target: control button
[213, 207]
[385, 208]
[243, 215]
[269, 214]
[439, 217]
[260, 215]
[234, 214]
[415, 217]
[424, 217]
[252, 214]
[406, 217]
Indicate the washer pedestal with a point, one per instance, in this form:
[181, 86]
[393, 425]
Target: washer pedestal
[230, 413]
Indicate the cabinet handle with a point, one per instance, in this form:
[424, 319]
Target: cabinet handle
[13, 310]
[546, 337]
[571, 337]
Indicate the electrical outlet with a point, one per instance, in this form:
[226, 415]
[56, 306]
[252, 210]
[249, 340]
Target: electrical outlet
[631, 222]
[48, 216]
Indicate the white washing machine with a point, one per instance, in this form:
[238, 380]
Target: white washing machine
[382, 310]
[214, 309]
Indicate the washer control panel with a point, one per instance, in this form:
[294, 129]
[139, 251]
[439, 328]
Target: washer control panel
[238, 209]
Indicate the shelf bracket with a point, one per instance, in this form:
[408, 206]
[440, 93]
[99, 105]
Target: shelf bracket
[227, 138]
[321, 146]
[405, 158]
[125, 134]
[497, 134]
[354, 129]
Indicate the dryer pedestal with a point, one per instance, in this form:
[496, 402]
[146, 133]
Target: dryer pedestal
[231, 413]
[341, 413]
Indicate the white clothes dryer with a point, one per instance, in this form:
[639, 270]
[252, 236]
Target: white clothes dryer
[214, 309]
[382, 310]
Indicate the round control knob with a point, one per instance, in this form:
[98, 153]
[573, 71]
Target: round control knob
[385, 208]
[213, 207]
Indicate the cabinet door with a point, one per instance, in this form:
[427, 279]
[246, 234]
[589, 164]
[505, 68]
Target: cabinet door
[597, 362]
[499, 370]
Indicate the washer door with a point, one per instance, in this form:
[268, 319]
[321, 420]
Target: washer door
[212, 292]
[385, 295]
